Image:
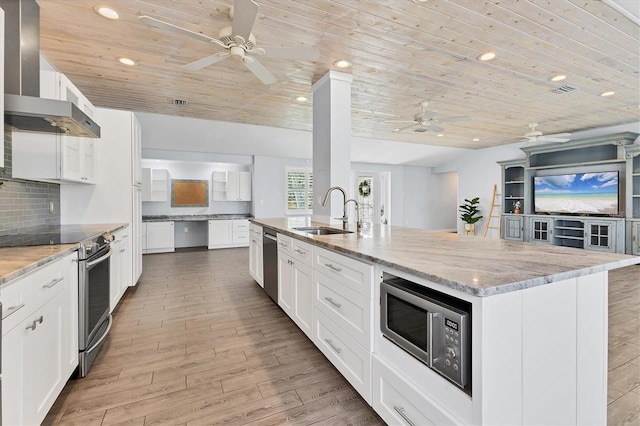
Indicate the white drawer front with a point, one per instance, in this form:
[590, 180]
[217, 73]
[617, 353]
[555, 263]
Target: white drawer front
[351, 359]
[241, 237]
[255, 231]
[354, 274]
[398, 403]
[301, 251]
[350, 310]
[240, 225]
[284, 243]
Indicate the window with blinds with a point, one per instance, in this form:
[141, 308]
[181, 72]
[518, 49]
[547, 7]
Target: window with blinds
[299, 191]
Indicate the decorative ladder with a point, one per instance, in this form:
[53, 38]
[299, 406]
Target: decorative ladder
[492, 214]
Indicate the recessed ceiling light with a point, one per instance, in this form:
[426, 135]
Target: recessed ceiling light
[558, 77]
[475, 139]
[302, 99]
[396, 130]
[126, 61]
[342, 63]
[440, 135]
[487, 56]
[609, 93]
[107, 12]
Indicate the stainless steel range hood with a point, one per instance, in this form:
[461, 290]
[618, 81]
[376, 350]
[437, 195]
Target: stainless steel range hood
[24, 109]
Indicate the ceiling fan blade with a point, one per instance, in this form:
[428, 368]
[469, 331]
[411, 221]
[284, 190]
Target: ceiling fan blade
[263, 74]
[293, 53]
[174, 28]
[405, 127]
[399, 121]
[206, 61]
[432, 127]
[244, 15]
[427, 115]
[552, 138]
[557, 135]
[453, 119]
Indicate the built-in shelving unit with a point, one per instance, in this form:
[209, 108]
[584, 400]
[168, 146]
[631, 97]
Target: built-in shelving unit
[155, 184]
[219, 186]
[615, 233]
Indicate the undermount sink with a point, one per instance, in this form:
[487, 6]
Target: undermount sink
[321, 230]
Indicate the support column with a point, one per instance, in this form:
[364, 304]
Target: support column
[331, 142]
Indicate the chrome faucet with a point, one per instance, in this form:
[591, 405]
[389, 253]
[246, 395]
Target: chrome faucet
[358, 221]
[345, 219]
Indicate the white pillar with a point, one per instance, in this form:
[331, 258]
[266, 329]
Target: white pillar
[331, 141]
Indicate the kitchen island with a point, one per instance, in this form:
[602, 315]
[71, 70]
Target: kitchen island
[538, 325]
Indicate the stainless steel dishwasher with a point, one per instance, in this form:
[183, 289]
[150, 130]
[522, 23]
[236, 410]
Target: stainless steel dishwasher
[270, 263]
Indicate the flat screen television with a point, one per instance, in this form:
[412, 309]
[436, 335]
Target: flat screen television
[579, 193]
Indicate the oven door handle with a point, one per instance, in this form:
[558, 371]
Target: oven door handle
[100, 259]
[104, 336]
[430, 316]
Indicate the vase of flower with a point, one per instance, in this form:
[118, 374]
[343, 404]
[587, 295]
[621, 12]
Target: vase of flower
[516, 207]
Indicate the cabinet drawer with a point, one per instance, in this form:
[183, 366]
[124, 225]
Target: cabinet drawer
[398, 403]
[347, 308]
[351, 359]
[284, 243]
[241, 237]
[354, 274]
[26, 294]
[255, 231]
[301, 251]
[240, 225]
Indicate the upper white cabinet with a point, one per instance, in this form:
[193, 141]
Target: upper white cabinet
[58, 158]
[155, 184]
[231, 185]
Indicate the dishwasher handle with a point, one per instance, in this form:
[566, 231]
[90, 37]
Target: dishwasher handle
[271, 237]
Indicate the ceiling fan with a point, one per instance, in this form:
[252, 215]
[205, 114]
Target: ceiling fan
[537, 136]
[238, 42]
[425, 121]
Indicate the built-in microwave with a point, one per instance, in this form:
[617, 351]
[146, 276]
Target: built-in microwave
[432, 326]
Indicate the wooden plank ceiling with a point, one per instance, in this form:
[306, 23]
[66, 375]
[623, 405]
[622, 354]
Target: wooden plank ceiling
[403, 52]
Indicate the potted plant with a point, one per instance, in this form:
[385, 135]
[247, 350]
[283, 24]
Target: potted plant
[469, 213]
[516, 207]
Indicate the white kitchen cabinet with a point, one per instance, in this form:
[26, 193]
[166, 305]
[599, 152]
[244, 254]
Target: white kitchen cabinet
[160, 237]
[228, 233]
[120, 266]
[39, 341]
[295, 295]
[56, 158]
[155, 184]
[231, 185]
[116, 197]
[256, 269]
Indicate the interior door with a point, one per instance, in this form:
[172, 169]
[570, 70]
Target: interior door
[373, 193]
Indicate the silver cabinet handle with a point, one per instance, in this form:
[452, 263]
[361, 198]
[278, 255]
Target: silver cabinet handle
[53, 282]
[281, 244]
[125, 236]
[301, 252]
[12, 310]
[35, 323]
[400, 410]
[334, 268]
[122, 250]
[334, 347]
[333, 302]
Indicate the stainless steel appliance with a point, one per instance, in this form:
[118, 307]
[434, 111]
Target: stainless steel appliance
[94, 320]
[270, 263]
[433, 327]
[24, 109]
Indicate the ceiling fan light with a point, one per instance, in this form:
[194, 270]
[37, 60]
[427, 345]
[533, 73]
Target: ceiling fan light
[487, 56]
[607, 93]
[127, 61]
[342, 63]
[558, 77]
[107, 12]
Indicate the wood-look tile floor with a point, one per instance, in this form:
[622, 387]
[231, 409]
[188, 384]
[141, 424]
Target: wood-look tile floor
[198, 342]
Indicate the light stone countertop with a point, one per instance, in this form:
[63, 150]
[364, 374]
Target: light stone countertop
[195, 217]
[18, 261]
[471, 264]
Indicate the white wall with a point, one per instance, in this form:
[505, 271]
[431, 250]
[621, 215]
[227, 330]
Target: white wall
[269, 184]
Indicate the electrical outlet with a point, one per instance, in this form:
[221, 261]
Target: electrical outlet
[186, 229]
[51, 207]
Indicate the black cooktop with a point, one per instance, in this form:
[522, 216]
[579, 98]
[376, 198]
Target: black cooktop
[64, 234]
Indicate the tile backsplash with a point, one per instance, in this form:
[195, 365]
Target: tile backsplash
[24, 204]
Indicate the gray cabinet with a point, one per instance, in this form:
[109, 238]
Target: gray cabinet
[601, 235]
[540, 230]
[513, 227]
[634, 248]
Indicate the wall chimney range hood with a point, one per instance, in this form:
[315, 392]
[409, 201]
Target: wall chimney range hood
[23, 108]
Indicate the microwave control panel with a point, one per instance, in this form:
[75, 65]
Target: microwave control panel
[452, 361]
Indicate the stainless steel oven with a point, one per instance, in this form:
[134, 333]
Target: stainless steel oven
[432, 326]
[94, 320]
